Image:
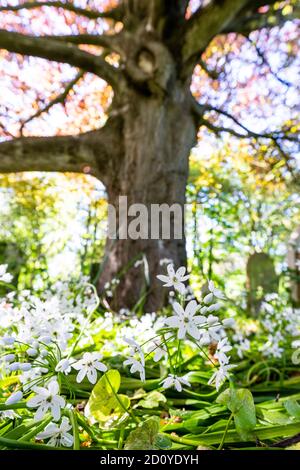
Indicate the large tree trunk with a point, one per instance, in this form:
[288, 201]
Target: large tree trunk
[158, 134]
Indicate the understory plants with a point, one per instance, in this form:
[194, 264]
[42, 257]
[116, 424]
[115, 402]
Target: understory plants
[75, 374]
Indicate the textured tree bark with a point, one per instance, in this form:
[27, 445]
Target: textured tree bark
[158, 134]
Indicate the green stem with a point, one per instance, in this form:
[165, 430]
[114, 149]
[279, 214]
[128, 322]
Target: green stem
[121, 438]
[13, 444]
[15, 406]
[74, 423]
[225, 432]
[120, 402]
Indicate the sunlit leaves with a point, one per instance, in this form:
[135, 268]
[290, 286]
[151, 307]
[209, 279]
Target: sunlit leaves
[105, 403]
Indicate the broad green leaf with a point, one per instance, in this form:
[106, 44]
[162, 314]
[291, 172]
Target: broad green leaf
[152, 400]
[104, 402]
[273, 416]
[293, 408]
[144, 436]
[240, 403]
[228, 398]
[162, 442]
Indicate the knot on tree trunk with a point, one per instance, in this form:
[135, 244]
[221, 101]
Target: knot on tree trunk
[150, 66]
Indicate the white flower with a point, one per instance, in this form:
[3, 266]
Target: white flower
[208, 298]
[25, 366]
[216, 292]
[14, 366]
[174, 279]
[136, 366]
[214, 307]
[205, 338]
[158, 348]
[265, 306]
[185, 320]
[32, 352]
[175, 381]
[88, 366]
[58, 435]
[64, 366]
[8, 414]
[47, 399]
[134, 346]
[220, 375]
[229, 322]
[28, 379]
[9, 357]
[8, 340]
[4, 276]
[222, 348]
[165, 261]
[14, 398]
[244, 345]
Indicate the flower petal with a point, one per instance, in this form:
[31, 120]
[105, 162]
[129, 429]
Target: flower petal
[81, 374]
[92, 375]
[55, 410]
[171, 271]
[178, 309]
[41, 411]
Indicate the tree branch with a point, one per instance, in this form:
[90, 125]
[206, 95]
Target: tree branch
[62, 153]
[276, 138]
[115, 14]
[95, 152]
[101, 40]
[112, 43]
[225, 16]
[250, 19]
[199, 110]
[206, 23]
[59, 99]
[213, 74]
[265, 62]
[58, 51]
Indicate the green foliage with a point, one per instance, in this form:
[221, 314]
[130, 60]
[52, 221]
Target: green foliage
[44, 216]
[239, 204]
[147, 437]
[153, 400]
[105, 403]
[240, 403]
[293, 408]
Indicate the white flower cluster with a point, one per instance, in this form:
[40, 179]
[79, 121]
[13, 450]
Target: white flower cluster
[191, 321]
[35, 334]
[277, 328]
[281, 326]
